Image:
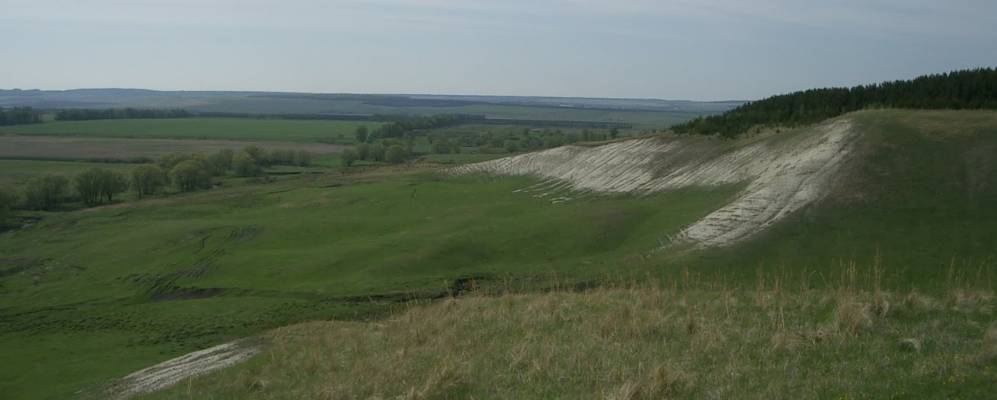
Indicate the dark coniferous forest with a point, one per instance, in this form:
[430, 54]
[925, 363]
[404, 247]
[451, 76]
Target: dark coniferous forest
[967, 89]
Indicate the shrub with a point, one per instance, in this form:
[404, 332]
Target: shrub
[348, 157]
[190, 175]
[46, 191]
[395, 154]
[245, 165]
[148, 179]
[8, 198]
[377, 152]
[97, 184]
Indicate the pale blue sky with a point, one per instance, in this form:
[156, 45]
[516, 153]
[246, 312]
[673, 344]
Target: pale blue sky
[685, 49]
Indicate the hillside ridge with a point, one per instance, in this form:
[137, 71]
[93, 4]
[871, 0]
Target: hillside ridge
[782, 173]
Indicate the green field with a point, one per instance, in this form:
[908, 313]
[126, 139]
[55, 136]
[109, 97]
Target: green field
[138, 283]
[640, 119]
[201, 128]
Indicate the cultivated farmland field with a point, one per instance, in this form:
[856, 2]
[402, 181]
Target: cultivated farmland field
[201, 128]
[98, 148]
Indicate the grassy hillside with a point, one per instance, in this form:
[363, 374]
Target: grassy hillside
[137, 284]
[918, 196]
[199, 128]
[134, 284]
[642, 343]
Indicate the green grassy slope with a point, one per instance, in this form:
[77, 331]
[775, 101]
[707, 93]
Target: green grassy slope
[137, 284]
[635, 343]
[199, 128]
[920, 196]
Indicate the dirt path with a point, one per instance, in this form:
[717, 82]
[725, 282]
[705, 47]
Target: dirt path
[170, 372]
[783, 173]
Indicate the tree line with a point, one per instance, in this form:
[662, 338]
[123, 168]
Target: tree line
[409, 126]
[87, 114]
[184, 172]
[19, 116]
[966, 89]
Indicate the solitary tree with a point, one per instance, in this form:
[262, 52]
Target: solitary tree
[46, 191]
[148, 179]
[613, 133]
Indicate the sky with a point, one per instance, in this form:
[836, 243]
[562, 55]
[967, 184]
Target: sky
[682, 49]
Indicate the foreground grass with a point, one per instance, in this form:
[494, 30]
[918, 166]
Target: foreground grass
[201, 128]
[636, 343]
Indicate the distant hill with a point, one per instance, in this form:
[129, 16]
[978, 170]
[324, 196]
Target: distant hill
[967, 89]
[640, 112]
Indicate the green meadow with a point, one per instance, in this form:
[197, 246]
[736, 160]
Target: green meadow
[147, 281]
[201, 128]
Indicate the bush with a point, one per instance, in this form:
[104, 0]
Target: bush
[46, 191]
[190, 175]
[363, 151]
[377, 152]
[148, 179]
[245, 165]
[97, 184]
[8, 199]
[395, 154]
[348, 157]
[303, 158]
[220, 162]
[168, 161]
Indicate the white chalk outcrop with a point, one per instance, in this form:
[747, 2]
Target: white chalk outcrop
[783, 173]
[170, 372]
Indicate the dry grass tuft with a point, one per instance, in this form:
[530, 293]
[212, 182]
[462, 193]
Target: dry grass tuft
[852, 317]
[634, 343]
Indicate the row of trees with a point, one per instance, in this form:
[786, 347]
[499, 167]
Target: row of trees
[400, 127]
[19, 116]
[185, 172]
[968, 89]
[82, 114]
[390, 151]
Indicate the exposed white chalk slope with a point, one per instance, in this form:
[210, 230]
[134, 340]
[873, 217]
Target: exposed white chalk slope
[783, 173]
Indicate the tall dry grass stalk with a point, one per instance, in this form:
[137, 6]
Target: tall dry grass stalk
[639, 338]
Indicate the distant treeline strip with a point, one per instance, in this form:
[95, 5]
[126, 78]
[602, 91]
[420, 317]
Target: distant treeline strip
[19, 115]
[86, 114]
[967, 89]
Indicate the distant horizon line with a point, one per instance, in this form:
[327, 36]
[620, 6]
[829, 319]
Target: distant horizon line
[372, 94]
